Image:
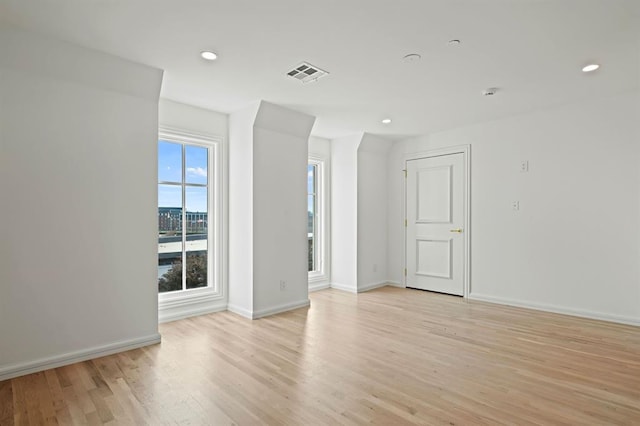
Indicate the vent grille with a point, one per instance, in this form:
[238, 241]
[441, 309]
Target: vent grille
[306, 72]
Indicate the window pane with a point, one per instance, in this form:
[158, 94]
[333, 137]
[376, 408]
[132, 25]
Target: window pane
[169, 272]
[196, 214]
[169, 238]
[170, 196]
[311, 206]
[311, 260]
[169, 211]
[197, 269]
[197, 223]
[196, 163]
[169, 162]
[311, 231]
[311, 177]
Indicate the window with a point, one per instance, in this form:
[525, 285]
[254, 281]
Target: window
[312, 217]
[317, 225]
[186, 215]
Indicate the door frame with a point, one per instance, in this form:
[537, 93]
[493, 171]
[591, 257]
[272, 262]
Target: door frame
[458, 149]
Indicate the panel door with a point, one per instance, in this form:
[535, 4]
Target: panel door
[435, 224]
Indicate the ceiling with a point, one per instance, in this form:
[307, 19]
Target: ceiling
[532, 50]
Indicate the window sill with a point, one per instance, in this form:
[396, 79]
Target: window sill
[317, 278]
[178, 306]
[182, 298]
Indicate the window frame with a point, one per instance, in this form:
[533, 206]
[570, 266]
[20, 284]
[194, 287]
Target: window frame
[215, 289]
[321, 273]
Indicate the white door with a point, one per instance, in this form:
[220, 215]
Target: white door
[435, 223]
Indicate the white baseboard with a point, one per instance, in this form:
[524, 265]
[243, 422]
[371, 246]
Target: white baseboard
[556, 309]
[360, 289]
[371, 286]
[396, 284]
[268, 311]
[281, 308]
[240, 311]
[318, 287]
[23, 368]
[343, 287]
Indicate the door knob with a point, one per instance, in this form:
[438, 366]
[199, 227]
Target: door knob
[459, 230]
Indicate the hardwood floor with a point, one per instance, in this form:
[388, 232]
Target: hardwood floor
[390, 356]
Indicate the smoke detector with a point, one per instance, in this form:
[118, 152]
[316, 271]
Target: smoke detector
[490, 91]
[306, 73]
[411, 58]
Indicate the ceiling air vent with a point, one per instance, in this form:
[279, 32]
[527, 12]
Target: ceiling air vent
[305, 72]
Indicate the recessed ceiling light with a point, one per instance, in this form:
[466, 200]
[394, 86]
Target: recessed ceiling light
[386, 121]
[208, 55]
[590, 68]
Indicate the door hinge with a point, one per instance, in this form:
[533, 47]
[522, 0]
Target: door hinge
[405, 173]
[405, 223]
[405, 272]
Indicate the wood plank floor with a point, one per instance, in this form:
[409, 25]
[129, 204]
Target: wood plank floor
[390, 356]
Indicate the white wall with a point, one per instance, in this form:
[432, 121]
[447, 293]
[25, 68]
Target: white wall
[358, 212]
[275, 199]
[320, 147]
[574, 245]
[372, 213]
[279, 220]
[78, 153]
[180, 116]
[241, 210]
[395, 212]
[344, 212]
[280, 157]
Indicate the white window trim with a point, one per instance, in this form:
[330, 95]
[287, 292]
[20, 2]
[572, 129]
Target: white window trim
[322, 221]
[181, 304]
